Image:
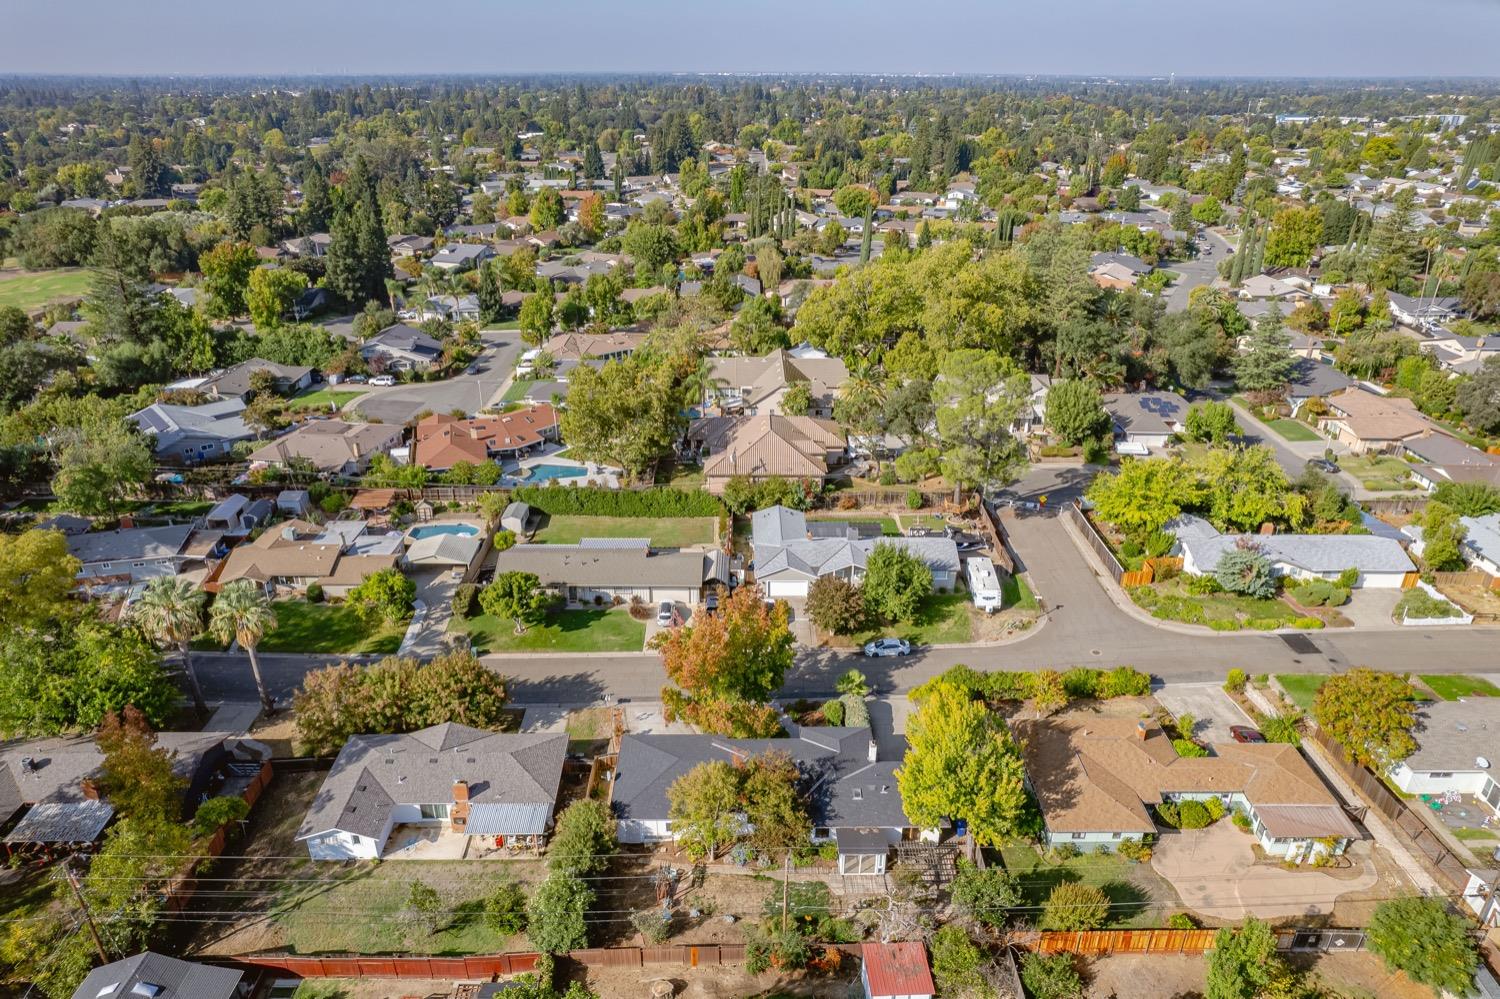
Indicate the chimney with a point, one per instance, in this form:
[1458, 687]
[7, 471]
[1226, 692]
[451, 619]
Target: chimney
[458, 816]
[1142, 730]
[874, 751]
[90, 789]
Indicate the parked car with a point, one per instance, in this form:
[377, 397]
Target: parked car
[1323, 465]
[922, 532]
[355, 380]
[383, 381]
[665, 614]
[883, 647]
[1244, 733]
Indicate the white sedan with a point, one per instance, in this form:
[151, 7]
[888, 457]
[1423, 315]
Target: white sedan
[882, 647]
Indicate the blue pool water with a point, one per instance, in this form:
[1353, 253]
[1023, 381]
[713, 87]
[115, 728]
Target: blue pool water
[433, 530]
[545, 473]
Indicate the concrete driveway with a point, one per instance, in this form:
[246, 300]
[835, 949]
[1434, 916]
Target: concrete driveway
[1215, 873]
[1372, 607]
[1214, 710]
[491, 373]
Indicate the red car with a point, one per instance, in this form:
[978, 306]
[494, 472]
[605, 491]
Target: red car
[1244, 733]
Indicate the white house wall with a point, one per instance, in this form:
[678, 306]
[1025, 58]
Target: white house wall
[1423, 782]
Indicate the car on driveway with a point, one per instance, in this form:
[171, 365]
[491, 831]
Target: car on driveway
[883, 647]
[1323, 465]
[383, 381]
[1244, 733]
[665, 614]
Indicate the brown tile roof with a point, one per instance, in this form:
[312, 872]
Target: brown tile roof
[1372, 417]
[1095, 774]
[788, 446]
[577, 346]
[329, 444]
[441, 441]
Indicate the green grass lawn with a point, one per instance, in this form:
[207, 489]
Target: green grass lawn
[315, 915]
[943, 620]
[1138, 895]
[932, 521]
[1451, 688]
[35, 289]
[323, 397]
[1473, 834]
[330, 628]
[1292, 430]
[888, 526]
[1379, 473]
[1015, 593]
[180, 508]
[599, 630]
[1301, 687]
[664, 532]
[518, 389]
[509, 324]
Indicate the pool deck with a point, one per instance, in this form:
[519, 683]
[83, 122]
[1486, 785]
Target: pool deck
[593, 475]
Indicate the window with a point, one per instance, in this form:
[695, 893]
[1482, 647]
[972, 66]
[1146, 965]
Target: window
[1440, 774]
[1116, 835]
[1079, 835]
[434, 811]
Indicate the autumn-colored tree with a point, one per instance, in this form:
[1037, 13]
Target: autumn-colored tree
[727, 666]
[591, 214]
[138, 778]
[1370, 713]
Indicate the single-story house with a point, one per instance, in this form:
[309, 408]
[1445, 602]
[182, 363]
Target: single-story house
[465, 780]
[1265, 286]
[461, 256]
[234, 383]
[403, 348]
[1481, 546]
[766, 446]
[1458, 743]
[136, 554]
[406, 245]
[605, 570]
[788, 558]
[1146, 419]
[332, 446]
[149, 975]
[315, 245]
[337, 556]
[1095, 776]
[609, 346]
[1131, 263]
[1447, 451]
[754, 385]
[194, 433]
[441, 440]
[852, 795]
[1312, 379]
[1368, 422]
[1382, 562]
[436, 550]
[1425, 310]
[1113, 275]
[896, 971]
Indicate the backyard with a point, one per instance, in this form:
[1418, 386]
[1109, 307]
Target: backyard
[1378, 473]
[1138, 895]
[1171, 600]
[888, 526]
[589, 630]
[664, 532]
[32, 289]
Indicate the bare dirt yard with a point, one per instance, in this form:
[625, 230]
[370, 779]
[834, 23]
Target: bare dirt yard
[1162, 976]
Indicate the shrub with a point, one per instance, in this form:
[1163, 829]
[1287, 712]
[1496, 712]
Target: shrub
[1134, 849]
[887, 476]
[1159, 543]
[654, 925]
[465, 600]
[1234, 682]
[1202, 586]
[1189, 748]
[1123, 681]
[505, 908]
[1241, 821]
[1166, 814]
[1193, 815]
[1050, 976]
[1215, 809]
[835, 605]
[219, 811]
[833, 712]
[1280, 728]
[1320, 593]
[914, 500]
[1131, 549]
[1075, 906]
[314, 593]
[1081, 682]
[1181, 921]
[1096, 451]
[1418, 604]
[1307, 623]
[955, 961]
[848, 502]
[504, 539]
[1349, 578]
[1246, 571]
[985, 895]
[1064, 851]
[590, 502]
[856, 712]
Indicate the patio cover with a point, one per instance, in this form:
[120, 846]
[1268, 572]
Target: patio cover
[62, 822]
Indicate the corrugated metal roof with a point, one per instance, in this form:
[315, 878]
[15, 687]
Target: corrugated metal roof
[897, 969]
[508, 820]
[614, 544]
[62, 822]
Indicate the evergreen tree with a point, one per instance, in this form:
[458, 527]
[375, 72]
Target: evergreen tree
[593, 162]
[865, 236]
[317, 204]
[1269, 362]
[489, 293]
[619, 178]
[358, 259]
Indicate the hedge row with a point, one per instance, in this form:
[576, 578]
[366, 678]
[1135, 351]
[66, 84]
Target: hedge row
[1080, 683]
[619, 502]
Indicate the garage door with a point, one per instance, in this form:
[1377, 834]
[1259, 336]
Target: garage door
[786, 588]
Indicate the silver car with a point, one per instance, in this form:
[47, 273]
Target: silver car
[883, 647]
[665, 613]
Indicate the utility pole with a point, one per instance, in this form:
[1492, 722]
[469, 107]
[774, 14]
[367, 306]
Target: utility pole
[786, 884]
[88, 917]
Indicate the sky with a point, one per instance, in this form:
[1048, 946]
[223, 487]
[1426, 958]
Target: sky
[1065, 37]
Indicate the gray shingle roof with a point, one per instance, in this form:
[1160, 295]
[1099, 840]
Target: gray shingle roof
[576, 565]
[62, 822]
[129, 544]
[1146, 412]
[1321, 553]
[176, 979]
[1451, 735]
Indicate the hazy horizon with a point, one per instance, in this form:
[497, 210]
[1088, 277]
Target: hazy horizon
[1335, 39]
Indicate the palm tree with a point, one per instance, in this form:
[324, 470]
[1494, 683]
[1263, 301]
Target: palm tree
[171, 612]
[393, 289]
[701, 385]
[243, 612]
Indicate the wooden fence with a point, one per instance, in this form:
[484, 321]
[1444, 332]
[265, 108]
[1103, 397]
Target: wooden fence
[1095, 942]
[1410, 826]
[1095, 540]
[1475, 578]
[1149, 570]
[179, 891]
[991, 528]
[353, 966]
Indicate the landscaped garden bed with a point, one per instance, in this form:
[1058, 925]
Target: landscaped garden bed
[1174, 600]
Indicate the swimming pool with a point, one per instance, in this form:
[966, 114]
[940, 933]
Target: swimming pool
[545, 473]
[433, 530]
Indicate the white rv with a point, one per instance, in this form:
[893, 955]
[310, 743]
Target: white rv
[984, 584]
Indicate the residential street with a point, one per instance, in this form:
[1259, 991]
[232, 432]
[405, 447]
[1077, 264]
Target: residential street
[1082, 627]
[468, 392]
[1201, 270]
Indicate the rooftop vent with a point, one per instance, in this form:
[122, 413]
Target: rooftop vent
[1482, 762]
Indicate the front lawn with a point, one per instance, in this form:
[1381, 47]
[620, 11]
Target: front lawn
[33, 289]
[944, 619]
[1301, 687]
[1378, 473]
[518, 389]
[1016, 594]
[1172, 601]
[1450, 687]
[1292, 430]
[1138, 895]
[664, 532]
[323, 398]
[327, 628]
[595, 630]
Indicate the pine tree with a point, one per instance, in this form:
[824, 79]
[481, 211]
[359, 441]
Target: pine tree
[593, 162]
[358, 257]
[317, 206]
[864, 241]
[1268, 363]
[924, 236]
[489, 293]
[619, 178]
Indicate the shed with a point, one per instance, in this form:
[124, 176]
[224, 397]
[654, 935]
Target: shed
[896, 971]
[516, 517]
[293, 501]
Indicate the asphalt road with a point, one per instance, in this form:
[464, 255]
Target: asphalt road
[491, 373]
[1200, 270]
[1082, 627]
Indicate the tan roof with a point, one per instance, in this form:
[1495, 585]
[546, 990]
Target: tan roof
[772, 374]
[328, 444]
[577, 346]
[287, 550]
[1094, 774]
[1372, 417]
[789, 446]
[441, 440]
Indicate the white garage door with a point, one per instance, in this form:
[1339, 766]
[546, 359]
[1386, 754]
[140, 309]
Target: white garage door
[786, 588]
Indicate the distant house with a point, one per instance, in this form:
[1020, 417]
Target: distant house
[600, 346]
[333, 447]
[460, 779]
[754, 385]
[1113, 275]
[1146, 419]
[606, 570]
[1372, 423]
[1458, 744]
[1463, 355]
[1382, 562]
[440, 440]
[461, 256]
[408, 245]
[403, 348]
[149, 975]
[138, 554]
[291, 556]
[315, 245]
[234, 383]
[194, 433]
[1481, 546]
[853, 798]
[1265, 286]
[1312, 379]
[1425, 311]
[896, 971]
[1131, 263]
[788, 558]
[1094, 778]
[766, 446]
